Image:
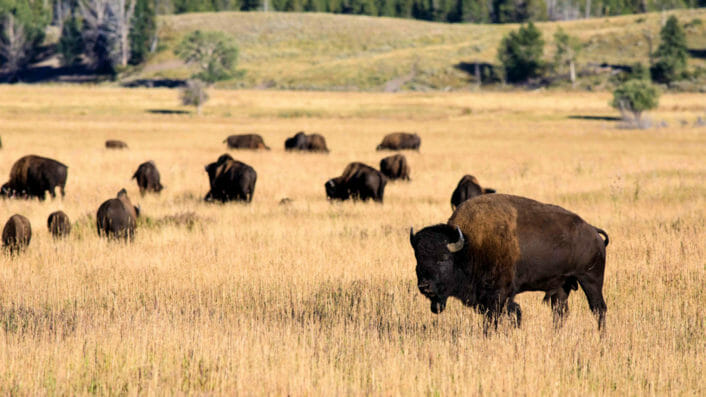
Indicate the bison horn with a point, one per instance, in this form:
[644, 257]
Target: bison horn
[411, 236]
[455, 247]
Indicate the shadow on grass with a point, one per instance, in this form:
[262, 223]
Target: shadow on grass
[166, 111]
[596, 118]
[700, 53]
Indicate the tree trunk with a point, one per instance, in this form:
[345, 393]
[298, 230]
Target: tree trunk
[198, 109]
[588, 9]
[572, 73]
[477, 73]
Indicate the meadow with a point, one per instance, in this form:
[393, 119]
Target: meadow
[320, 298]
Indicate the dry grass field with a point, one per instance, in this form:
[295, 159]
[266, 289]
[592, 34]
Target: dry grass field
[315, 298]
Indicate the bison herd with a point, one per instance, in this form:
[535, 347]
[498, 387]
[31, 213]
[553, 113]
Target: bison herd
[493, 247]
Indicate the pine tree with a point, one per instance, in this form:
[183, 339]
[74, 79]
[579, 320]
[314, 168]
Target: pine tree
[142, 33]
[521, 53]
[70, 45]
[672, 53]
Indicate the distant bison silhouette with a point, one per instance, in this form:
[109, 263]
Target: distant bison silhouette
[147, 177]
[467, 188]
[400, 141]
[359, 182]
[16, 234]
[246, 141]
[115, 144]
[32, 176]
[59, 224]
[230, 180]
[304, 142]
[117, 217]
[395, 167]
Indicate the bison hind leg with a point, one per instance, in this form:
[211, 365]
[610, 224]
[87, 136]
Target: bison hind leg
[513, 309]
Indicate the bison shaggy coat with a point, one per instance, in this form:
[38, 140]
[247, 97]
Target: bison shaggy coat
[115, 144]
[497, 246]
[467, 188]
[17, 233]
[246, 141]
[33, 176]
[304, 142]
[400, 141]
[147, 177]
[359, 182]
[230, 180]
[59, 224]
[117, 217]
[395, 167]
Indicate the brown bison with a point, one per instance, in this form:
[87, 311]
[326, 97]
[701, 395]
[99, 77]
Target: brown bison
[117, 217]
[246, 141]
[467, 188]
[395, 167]
[310, 143]
[497, 246]
[115, 144]
[359, 182]
[59, 224]
[400, 141]
[230, 180]
[17, 233]
[32, 176]
[147, 177]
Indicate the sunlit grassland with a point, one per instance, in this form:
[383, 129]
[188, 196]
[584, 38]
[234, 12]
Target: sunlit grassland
[321, 298]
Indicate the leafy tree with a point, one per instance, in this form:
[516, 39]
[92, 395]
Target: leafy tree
[567, 49]
[22, 24]
[70, 45]
[142, 32]
[672, 53]
[194, 94]
[213, 53]
[635, 97]
[521, 53]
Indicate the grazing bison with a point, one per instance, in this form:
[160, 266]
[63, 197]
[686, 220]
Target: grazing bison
[117, 217]
[395, 167]
[400, 141]
[230, 180]
[16, 233]
[497, 246]
[115, 144]
[59, 224]
[32, 176]
[246, 141]
[147, 177]
[468, 187]
[359, 182]
[311, 143]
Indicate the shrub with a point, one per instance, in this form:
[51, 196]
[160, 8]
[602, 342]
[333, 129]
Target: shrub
[194, 94]
[634, 97]
[212, 53]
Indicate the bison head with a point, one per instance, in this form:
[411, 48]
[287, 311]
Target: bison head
[335, 189]
[435, 248]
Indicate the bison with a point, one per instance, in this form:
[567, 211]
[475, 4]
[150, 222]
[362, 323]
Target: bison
[246, 141]
[147, 177]
[467, 188]
[59, 224]
[359, 182]
[115, 144]
[230, 180]
[17, 233]
[117, 217]
[395, 167]
[497, 246]
[32, 176]
[400, 141]
[311, 143]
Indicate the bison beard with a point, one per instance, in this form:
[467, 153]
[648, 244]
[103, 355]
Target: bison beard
[496, 246]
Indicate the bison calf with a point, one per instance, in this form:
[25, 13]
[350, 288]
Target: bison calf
[497, 246]
[117, 217]
[147, 177]
[467, 188]
[246, 141]
[59, 224]
[400, 141]
[395, 167]
[359, 182]
[16, 234]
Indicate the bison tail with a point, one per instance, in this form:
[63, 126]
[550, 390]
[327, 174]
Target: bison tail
[601, 231]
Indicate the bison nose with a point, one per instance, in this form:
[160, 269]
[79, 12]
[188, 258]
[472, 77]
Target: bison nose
[424, 287]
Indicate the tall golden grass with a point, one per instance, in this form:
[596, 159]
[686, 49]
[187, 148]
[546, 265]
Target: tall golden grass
[315, 298]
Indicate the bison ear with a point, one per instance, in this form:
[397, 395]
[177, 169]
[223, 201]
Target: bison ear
[411, 236]
[122, 193]
[458, 245]
[488, 190]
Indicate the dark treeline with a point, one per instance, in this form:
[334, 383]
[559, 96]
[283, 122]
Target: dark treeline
[482, 11]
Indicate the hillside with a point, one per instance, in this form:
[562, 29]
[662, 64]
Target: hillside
[327, 51]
